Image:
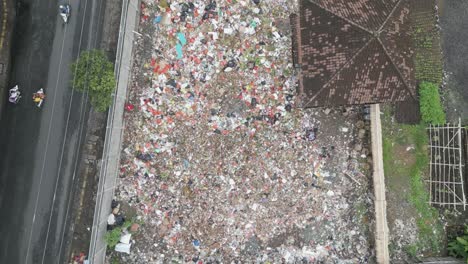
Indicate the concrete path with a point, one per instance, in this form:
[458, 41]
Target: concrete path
[380, 203]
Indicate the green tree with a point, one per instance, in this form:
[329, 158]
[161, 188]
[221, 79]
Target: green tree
[430, 104]
[95, 73]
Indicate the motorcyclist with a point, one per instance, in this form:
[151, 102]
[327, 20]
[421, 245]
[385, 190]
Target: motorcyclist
[38, 97]
[63, 10]
[14, 95]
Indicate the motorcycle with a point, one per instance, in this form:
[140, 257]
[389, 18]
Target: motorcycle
[14, 95]
[38, 97]
[65, 12]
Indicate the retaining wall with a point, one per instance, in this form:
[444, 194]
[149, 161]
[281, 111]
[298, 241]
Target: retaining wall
[114, 131]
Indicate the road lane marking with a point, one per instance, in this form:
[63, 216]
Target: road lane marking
[77, 150]
[81, 125]
[46, 147]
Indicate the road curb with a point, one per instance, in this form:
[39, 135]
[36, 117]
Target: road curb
[114, 131]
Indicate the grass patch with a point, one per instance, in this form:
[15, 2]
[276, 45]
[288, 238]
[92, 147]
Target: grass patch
[427, 220]
[426, 40]
[411, 250]
[432, 111]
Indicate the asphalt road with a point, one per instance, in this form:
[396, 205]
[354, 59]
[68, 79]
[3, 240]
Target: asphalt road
[454, 23]
[39, 147]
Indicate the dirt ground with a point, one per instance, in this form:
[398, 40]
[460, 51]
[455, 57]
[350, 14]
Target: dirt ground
[401, 213]
[84, 202]
[417, 229]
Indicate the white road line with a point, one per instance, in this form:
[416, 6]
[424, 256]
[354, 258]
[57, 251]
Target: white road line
[76, 154]
[64, 140]
[46, 148]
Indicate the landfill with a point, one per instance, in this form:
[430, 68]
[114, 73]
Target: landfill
[219, 161]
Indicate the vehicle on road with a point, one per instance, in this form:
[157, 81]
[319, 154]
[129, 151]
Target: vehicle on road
[14, 95]
[65, 11]
[38, 97]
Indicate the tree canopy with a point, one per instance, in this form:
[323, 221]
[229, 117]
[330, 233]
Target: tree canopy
[94, 73]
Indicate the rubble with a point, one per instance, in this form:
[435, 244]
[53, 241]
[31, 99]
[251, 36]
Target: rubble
[217, 159]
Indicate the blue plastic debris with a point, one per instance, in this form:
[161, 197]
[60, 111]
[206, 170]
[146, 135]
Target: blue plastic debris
[181, 42]
[196, 243]
[157, 20]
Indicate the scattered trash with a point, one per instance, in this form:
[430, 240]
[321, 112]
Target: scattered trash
[125, 238]
[134, 227]
[218, 161]
[196, 243]
[111, 219]
[122, 247]
[80, 259]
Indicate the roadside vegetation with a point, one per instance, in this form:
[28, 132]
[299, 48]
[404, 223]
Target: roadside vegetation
[400, 137]
[411, 141]
[94, 73]
[405, 152]
[432, 111]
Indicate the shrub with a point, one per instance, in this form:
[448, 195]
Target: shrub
[430, 105]
[113, 237]
[94, 73]
[459, 247]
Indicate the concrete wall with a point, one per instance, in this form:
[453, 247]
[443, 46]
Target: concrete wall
[381, 226]
[114, 131]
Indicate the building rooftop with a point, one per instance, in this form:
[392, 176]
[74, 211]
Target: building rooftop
[353, 52]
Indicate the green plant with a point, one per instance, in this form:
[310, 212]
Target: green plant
[459, 247]
[411, 250]
[395, 137]
[114, 260]
[426, 40]
[430, 104]
[94, 73]
[113, 237]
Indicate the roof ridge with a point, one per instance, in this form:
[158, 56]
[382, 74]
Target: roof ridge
[389, 16]
[341, 69]
[388, 55]
[397, 70]
[345, 19]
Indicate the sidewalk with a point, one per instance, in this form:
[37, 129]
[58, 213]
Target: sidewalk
[7, 19]
[111, 153]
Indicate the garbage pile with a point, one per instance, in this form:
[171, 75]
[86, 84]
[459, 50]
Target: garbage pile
[217, 159]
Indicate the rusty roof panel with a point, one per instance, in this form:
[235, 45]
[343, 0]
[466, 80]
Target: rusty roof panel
[369, 78]
[397, 40]
[344, 61]
[327, 43]
[369, 14]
